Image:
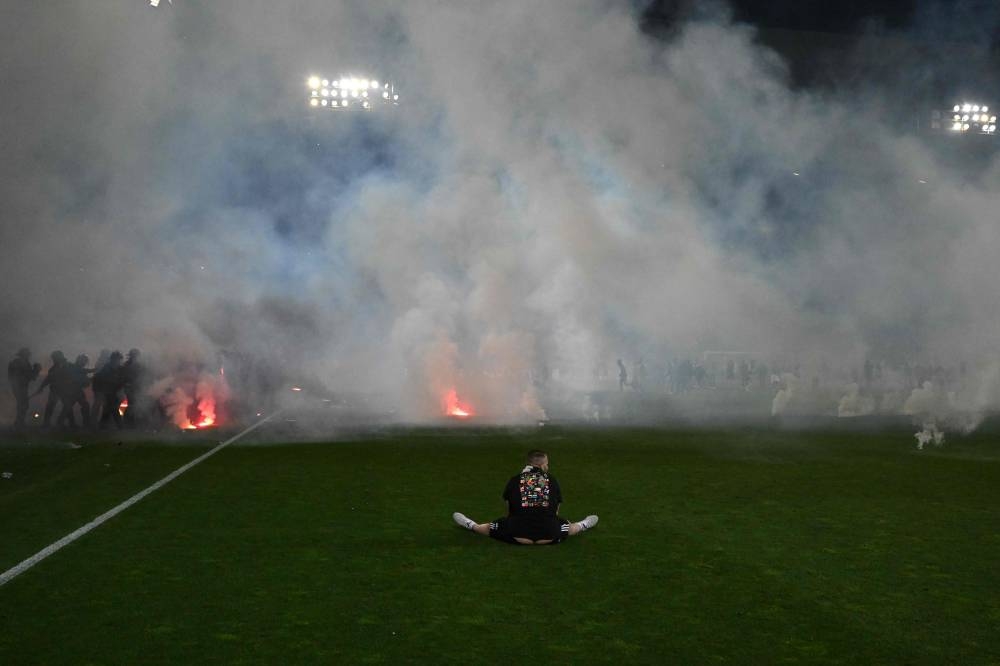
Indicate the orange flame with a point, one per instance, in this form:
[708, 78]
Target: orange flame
[193, 402]
[453, 407]
[122, 407]
[206, 407]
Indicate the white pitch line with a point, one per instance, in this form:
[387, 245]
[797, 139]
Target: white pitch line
[18, 569]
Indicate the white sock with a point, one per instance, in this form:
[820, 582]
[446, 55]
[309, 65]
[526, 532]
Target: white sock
[587, 523]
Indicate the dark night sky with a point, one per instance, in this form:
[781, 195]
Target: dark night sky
[850, 16]
[823, 15]
[829, 43]
[820, 15]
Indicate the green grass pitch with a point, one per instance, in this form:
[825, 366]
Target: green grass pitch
[714, 546]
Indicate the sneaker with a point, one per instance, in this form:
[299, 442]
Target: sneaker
[588, 522]
[465, 521]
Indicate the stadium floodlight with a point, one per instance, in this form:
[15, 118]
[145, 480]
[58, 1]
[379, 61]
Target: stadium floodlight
[337, 93]
[965, 118]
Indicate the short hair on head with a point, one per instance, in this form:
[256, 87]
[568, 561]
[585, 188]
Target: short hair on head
[537, 456]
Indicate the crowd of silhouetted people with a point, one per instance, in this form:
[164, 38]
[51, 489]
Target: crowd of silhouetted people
[718, 370]
[115, 381]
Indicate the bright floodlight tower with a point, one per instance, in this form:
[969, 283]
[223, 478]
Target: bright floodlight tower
[350, 92]
[966, 118]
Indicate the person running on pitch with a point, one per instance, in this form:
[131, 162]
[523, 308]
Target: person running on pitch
[20, 373]
[55, 380]
[533, 498]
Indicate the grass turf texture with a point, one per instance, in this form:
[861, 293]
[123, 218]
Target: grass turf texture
[713, 546]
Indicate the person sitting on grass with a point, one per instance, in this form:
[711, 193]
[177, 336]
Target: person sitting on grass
[533, 498]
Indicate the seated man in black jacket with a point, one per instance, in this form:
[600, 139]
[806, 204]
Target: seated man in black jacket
[533, 498]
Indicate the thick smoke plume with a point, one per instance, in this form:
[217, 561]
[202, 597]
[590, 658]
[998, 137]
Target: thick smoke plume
[558, 189]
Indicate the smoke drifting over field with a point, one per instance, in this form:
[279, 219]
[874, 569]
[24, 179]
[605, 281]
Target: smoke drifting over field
[556, 191]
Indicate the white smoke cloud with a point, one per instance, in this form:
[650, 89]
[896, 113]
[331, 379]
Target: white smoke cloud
[785, 395]
[853, 403]
[555, 187]
[929, 401]
[929, 434]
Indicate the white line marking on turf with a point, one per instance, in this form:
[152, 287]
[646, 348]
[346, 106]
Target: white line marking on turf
[18, 569]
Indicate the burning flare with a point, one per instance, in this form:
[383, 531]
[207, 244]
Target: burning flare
[453, 407]
[201, 411]
[201, 415]
[193, 410]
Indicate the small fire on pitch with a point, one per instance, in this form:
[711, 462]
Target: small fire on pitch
[192, 397]
[454, 407]
[200, 415]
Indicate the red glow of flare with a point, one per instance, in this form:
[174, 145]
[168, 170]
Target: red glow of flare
[122, 407]
[453, 407]
[205, 412]
[204, 423]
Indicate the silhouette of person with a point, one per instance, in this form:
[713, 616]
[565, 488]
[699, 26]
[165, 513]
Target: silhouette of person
[622, 376]
[107, 385]
[77, 379]
[639, 374]
[54, 379]
[133, 376]
[20, 373]
[95, 407]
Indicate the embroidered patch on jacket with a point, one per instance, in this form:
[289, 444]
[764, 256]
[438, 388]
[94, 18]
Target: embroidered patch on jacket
[534, 490]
